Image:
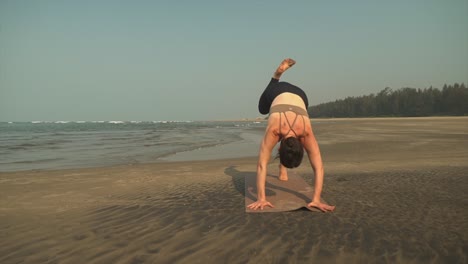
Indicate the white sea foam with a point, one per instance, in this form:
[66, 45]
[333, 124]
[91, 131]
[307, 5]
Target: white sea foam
[116, 122]
[61, 122]
[170, 121]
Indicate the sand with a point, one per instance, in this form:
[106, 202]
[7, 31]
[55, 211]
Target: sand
[400, 187]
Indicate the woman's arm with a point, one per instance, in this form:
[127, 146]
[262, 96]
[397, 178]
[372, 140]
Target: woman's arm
[269, 141]
[315, 158]
[266, 147]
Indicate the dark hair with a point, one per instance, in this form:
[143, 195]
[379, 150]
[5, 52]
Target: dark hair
[291, 152]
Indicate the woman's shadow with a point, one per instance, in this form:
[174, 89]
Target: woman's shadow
[239, 178]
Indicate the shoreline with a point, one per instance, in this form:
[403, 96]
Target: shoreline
[248, 146]
[220, 142]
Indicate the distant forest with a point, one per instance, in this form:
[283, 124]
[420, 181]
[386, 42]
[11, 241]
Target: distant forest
[451, 100]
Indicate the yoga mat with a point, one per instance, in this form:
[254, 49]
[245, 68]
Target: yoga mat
[285, 196]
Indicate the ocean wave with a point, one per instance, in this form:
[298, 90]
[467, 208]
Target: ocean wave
[115, 138]
[46, 144]
[171, 121]
[33, 161]
[105, 121]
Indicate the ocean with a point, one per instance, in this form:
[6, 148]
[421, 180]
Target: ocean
[41, 145]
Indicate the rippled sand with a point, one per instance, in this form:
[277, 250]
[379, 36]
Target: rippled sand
[399, 186]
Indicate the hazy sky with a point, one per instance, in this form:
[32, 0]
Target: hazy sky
[202, 60]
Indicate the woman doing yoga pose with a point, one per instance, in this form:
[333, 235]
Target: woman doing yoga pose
[289, 123]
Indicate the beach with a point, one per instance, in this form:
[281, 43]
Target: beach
[399, 186]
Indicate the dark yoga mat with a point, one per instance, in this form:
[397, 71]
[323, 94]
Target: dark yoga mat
[285, 196]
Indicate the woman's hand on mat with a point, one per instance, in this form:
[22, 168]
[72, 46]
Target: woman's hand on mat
[322, 206]
[259, 204]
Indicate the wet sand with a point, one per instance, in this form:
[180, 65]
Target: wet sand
[400, 186]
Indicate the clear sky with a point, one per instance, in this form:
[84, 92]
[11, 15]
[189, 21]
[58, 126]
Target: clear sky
[204, 60]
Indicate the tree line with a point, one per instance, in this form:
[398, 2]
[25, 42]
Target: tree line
[451, 100]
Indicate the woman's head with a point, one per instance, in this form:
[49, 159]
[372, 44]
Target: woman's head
[291, 152]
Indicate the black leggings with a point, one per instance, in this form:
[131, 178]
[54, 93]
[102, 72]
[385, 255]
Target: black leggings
[275, 88]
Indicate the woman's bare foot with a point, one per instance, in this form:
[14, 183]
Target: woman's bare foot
[285, 64]
[283, 173]
[283, 178]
